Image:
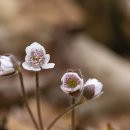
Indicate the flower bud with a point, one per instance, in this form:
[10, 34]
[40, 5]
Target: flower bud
[8, 65]
[92, 89]
[72, 84]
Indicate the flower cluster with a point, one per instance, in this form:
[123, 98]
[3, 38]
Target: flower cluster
[37, 59]
[74, 85]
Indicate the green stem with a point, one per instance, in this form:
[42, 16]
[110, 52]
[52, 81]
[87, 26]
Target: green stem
[60, 115]
[38, 101]
[26, 99]
[73, 114]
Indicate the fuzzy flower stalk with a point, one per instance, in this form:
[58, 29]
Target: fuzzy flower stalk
[36, 59]
[74, 85]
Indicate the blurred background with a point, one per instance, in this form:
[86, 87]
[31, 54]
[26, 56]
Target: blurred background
[91, 35]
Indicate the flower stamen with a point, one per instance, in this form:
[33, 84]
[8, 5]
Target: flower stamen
[37, 58]
[72, 82]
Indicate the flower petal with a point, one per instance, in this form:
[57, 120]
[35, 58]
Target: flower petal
[69, 73]
[47, 58]
[27, 66]
[33, 47]
[90, 82]
[98, 85]
[66, 90]
[6, 63]
[7, 71]
[27, 58]
[98, 88]
[48, 66]
[36, 68]
[5, 58]
[80, 87]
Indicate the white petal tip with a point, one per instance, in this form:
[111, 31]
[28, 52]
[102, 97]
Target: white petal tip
[26, 66]
[48, 66]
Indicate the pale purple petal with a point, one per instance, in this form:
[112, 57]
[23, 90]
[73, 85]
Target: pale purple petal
[27, 66]
[6, 63]
[98, 95]
[90, 82]
[78, 87]
[7, 71]
[36, 68]
[69, 73]
[66, 90]
[48, 66]
[70, 89]
[5, 58]
[27, 58]
[35, 46]
[47, 58]
[98, 88]
[98, 85]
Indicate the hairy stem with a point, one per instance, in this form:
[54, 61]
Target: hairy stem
[60, 115]
[73, 114]
[26, 99]
[38, 101]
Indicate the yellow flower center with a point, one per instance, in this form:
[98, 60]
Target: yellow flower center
[72, 83]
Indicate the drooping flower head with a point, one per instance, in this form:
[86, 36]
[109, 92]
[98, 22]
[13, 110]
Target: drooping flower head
[8, 65]
[71, 83]
[36, 58]
[92, 89]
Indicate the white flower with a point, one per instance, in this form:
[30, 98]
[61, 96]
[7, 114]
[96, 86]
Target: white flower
[71, 83]
[36, 58]
[7, 65]
[92, 88]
